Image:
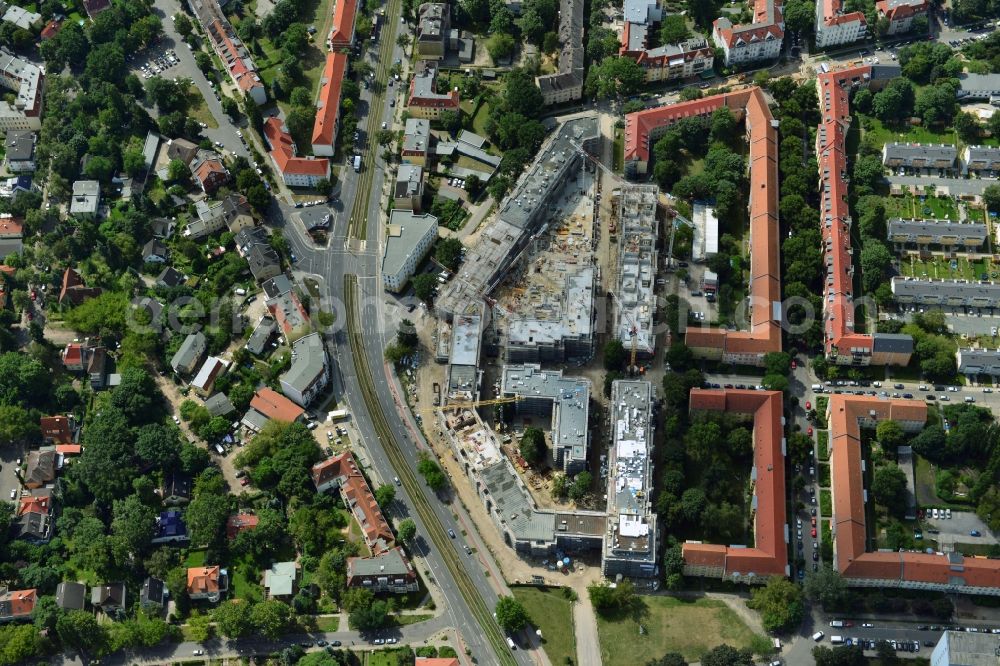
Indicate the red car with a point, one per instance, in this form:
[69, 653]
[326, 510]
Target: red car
[31, 316]
[794, 364]
[34, 295]
[244, 481]
[813, 532]
[809, 431]
[814, 521]
[809, 405]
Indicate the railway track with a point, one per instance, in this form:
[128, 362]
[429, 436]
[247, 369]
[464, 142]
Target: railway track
[436, 531]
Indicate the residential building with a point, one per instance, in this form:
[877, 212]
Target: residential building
[672, 62]
[253, 244]
[835, 26]
[958, 648]
[390, 571]
[771, 539]
[51, 29]
[978, 87]
[182, 149]
[436, 661]
[176, 488]
[566, 84]
[843, 345]
[266, 328]
[152, 308]
[938, 234]
[20, 17]
[752, 42]
[408, 190]
[36, 516]
[919, 156]
[86, 200]
[155, 251]
[208, 171]
[207, 583]
[520, 215]
[342, 30]
[324, 137]
[309, 372]
[283, 303]
[980, 158]
[469, 145]
[410, 237]
[952, 293]
[633, 316]
[268, 404]
[900, 13]
[240, 522]
[98, 368]
[341, 473]
[109, 597]
[40, 469]
[416, 141]
[975, 362]
[424, 101]
[232, 213]
[57, 429]
[190, 353]
[11, 235]
[71, 596]
[27, 81]
[17, 605]
[433, 24]
[20, 151]
[462, 355]
[219, 405]
[279, 580]
[632, 541]
[295, 171]
[73, 291]
[705, 244]
[95, 7]
[564, 401]
[948, 572]
[170, 277]
[211, 369]
[153, 594]
[560, 329]
[235, 56]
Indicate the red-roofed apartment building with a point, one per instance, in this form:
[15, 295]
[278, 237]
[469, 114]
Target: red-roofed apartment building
[424, 101]
[769, 556]
[341, 473]
[342, 30]
[844, 346]
[665, 62]
[295, 171]
[236, 58]
[760, 40]
[275, 406]
[641, 131]
[17, 605]
[324, 137]
[945, 572]
[835, 26]
[900, 13]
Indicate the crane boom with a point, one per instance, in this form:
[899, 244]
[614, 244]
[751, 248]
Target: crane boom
[473, 405]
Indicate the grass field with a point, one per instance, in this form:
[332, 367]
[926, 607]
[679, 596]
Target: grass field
[912, 207]
[825, 502]
[923, 476]
[199, 109]
[551, 612]
[479, 121]
[918, 134]
[395, 657]
[327, 623]
[938, 267]
[691, 627]
[823, 444]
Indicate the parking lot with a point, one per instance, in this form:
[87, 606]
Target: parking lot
[158, 64]
[9, 455]
[695, 296]
[959, 529]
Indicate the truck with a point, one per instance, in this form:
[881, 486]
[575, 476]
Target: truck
[836, 623]
[357, 163]
[338, 415]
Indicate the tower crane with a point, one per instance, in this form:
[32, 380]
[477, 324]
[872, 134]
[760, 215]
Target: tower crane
[633, 331]
[474, 404]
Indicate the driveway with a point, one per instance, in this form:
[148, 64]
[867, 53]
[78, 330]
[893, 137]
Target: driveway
[9, 453]
[957, 530]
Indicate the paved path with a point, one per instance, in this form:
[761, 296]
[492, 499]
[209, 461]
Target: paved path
[588, 647]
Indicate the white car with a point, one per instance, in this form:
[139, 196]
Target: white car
[177, 421]
[239, 133]
[198, 653]
[13, 493]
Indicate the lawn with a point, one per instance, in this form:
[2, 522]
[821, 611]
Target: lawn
[618, 158]
[411, 618]
[825, 502]
[911, 207]
[199, 109]
[823, 444]
[327, 623]
[689, 626]
[245, 581]
[479, 120]
[938, 267]
[395, 657]
[195, 558]
[924, 481]
[884, 134]
[551, 612]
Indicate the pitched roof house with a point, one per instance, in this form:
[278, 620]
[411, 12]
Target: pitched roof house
[208, 583]
[73, 290]
[71, 595]
[17, 604]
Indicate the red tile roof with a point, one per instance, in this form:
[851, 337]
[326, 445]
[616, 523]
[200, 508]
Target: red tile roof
[275, 406]
[436, 661]
[73, 290]
[283, 153]
[769, 556]
[234, 56]
[894, 10]
[17, 603]
[358, 497]
[11, 226]
[51, 29]
[69, 449]
[31, 504]
[210, 173]
[73, 355]
[202, 580]
[56, 429]
[328, 102]
[240, 522]
[344, 16]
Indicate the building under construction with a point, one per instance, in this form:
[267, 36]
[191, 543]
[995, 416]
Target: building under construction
[564, 401]
[562, 325]
[635, 304]
[463, 359]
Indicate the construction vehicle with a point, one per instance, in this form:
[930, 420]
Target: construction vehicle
[633, 332]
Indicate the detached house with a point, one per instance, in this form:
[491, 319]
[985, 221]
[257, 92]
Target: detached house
[424, 101]
[20, 151]
[208, 171]
[109, 597]
[207, 583]
[170, 528]
[190, 353]
[389, 572]
[71, 595]
[36, 516]
[73, 290]
[56, 429]
[154, 251]
[41, 469]
[17, 605]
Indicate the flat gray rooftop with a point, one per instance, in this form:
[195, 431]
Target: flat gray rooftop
[570, 397]
[946, 292]
[570, 318]
[936, 229]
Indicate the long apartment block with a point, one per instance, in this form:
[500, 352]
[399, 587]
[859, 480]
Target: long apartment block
[853, 557]
[843, 344]
[643, 128]
[635, 309]
[769, 554]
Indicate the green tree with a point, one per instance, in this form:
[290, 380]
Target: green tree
[133, 524]
[673, 29]
[615, 77]
[889, 488]
[384, 495]
[780, 604]
[991, 197]
[271, 618]
[826, 587]
[726, 655]
[500, 46]
[234, 618]
[532, 447]
[669, 659]
[406, 530]
[79, 630]
[967, 126]
[425, 286]
[581, 486]
[177, 171]
[511, 615]
[17, 424]
[183, 24]
[448, 252]
[614, 355]
[889, 433]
